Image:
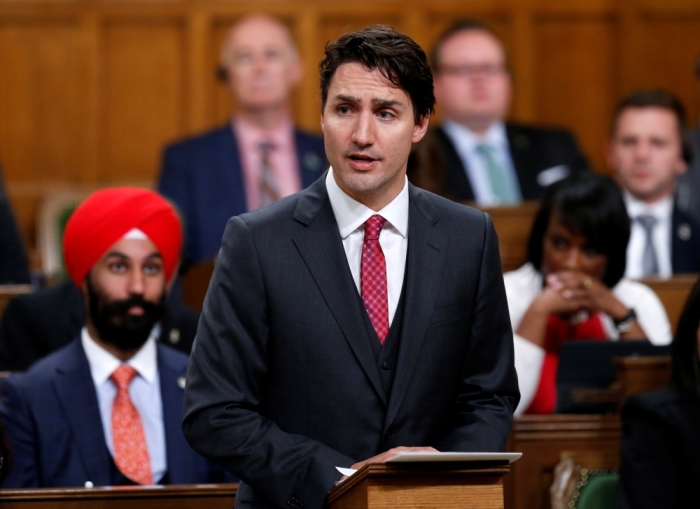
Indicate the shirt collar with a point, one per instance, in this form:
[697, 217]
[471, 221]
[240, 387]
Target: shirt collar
[495, 135]
[351, 214]
[251, 136]
[661, 209]
[102, 363]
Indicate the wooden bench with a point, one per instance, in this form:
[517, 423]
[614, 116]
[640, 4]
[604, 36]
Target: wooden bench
[201, 496]
[513, 225]
[9, 292]
[542, 439]
[673, 294]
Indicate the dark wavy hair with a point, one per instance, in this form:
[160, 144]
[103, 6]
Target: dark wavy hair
[592, 205]
[396, 56]
[684, 350]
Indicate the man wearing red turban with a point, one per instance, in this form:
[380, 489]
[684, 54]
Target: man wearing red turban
[106, 409]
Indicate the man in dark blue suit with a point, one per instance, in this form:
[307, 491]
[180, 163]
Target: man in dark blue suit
[106, 409]
[256, 158]
[648, 152]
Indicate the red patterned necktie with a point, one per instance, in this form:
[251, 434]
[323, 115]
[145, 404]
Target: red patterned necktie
[130, 450]
[373, 278]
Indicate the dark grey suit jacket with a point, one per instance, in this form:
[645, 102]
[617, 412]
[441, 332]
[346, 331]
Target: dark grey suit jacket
[283, 384]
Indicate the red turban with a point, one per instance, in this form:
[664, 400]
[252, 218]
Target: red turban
[107, 215]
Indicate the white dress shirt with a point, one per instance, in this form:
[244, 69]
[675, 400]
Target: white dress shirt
[466, 144]
[351, 216]
[144, 392]
[662, 210]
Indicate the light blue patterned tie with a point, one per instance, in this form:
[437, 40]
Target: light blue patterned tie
[501, 187]
[650, 263]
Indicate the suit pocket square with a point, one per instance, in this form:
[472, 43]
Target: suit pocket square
[551, 175]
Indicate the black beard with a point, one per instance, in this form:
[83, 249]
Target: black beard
[116, 326]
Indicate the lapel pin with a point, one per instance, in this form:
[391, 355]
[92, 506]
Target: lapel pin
[174, 336]
[181, 382]
[684, 231]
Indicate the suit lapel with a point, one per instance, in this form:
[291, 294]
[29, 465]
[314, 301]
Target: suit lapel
[75, 391]
[172, 385]
[426, 257]
[322, 250]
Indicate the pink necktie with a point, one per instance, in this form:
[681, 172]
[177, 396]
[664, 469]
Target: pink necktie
[130, 450]
[373, 277]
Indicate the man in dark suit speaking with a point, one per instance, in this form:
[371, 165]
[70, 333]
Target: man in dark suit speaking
[485, 159]
[359, 317]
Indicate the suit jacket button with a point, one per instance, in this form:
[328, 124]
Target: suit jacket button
[386, 365]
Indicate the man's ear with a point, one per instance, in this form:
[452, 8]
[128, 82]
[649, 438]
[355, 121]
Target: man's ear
[420, 129]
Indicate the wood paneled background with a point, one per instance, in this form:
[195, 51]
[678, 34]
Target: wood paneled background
[91, 90]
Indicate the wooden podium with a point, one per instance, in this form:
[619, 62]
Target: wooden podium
[463, 485]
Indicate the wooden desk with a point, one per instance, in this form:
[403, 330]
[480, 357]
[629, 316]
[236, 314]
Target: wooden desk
[201, 496]
[513, 225]
[542, 439]
[9, 292]
[673, 294]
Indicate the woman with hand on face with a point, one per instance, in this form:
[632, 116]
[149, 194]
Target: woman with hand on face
[572, 287]
[661, 429]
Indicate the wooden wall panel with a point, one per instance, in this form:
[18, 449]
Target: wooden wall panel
[42, 113]
[144, 106]
[670, 49]
[91, 90]
[575, 78]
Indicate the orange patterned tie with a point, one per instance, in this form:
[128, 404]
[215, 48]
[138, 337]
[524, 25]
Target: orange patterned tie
[130, 450]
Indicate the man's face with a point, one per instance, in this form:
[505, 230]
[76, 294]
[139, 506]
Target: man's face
[472, 84]
[126, 292]
[261, 63]
[645, 152]
[368, 128]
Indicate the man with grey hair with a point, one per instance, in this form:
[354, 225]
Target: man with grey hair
[257, 157]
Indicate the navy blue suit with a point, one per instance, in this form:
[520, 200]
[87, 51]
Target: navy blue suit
[204, 177]
[53, 424]
[685, 242]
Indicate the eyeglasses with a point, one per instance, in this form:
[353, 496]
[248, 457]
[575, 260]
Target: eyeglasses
[470, 71]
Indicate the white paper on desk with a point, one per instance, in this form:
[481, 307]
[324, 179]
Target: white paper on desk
[346, 471]
[407, 457]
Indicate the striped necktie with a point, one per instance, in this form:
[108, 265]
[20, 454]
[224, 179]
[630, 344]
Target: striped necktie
[269, 192]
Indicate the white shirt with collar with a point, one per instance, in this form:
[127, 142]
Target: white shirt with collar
[351, 216]
[466, 144]
[144, 392]
[662, 210]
